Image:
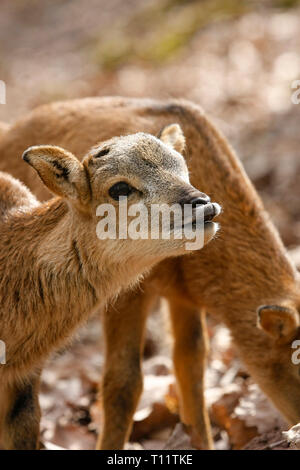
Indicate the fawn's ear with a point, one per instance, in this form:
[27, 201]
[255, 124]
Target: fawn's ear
[60, 170]
[173, 136]
[280, 322]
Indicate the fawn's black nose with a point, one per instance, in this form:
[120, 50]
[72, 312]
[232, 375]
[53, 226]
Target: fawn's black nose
[195, 198]
[201, 199]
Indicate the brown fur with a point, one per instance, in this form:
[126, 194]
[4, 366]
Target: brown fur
[245, 267]
[54, 271]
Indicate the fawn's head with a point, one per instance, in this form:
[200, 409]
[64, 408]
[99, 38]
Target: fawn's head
[281, 324]
[142, 170]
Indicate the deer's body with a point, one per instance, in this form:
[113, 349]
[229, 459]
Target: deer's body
[245, 267]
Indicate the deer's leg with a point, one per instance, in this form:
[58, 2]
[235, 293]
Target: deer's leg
[21, 416]
[189, 355]
[122, 384]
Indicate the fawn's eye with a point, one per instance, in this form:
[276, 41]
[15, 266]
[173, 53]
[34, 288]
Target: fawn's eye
[120, 189]
[101, 153]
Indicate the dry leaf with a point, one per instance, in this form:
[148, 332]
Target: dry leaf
[293, 436]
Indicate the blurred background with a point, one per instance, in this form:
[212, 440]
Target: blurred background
[237, 59]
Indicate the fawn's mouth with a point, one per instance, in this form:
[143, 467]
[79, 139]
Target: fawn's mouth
[202, 217]
[205, 215]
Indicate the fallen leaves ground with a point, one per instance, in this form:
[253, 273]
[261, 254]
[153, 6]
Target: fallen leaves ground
[241, 416]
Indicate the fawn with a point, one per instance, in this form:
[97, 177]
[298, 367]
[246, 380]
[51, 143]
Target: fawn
[54, 270]
[244, 278]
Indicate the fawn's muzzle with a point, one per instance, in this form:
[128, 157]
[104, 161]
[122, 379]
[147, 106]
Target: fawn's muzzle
[194, 198]
[201, 205]
[211, 210]
[202, 199]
